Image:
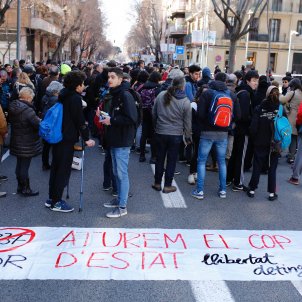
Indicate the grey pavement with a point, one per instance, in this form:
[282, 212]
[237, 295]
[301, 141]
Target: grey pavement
[146, 210]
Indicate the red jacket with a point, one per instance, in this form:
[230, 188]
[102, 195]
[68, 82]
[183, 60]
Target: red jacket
[299, 115]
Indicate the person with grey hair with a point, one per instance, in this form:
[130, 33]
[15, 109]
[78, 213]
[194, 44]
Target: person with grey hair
[53, 75]
[25, 141]
[172, 121]
[49, 99]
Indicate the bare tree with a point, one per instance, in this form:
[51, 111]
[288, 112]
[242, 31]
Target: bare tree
[4, 7]
[233, 14]
[146, 33]
[71, 23]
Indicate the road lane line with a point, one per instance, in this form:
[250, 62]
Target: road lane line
[209, 291]
[5, 156]
[298, 286]
[174, 199]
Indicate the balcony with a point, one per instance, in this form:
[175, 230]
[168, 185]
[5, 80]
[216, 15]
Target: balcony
[54, 7]
[40, 24]
[177, 32]
[178, 9]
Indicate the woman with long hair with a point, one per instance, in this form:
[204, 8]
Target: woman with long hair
[262, 134]
[172, 115]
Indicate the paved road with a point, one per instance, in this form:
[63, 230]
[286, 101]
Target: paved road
[146, 210]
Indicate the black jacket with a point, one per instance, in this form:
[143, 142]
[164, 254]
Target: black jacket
[123, 115]
[25, 140]
[260, 94]
[73, 118]
[261, 128]
[246, 98]
[204, 103]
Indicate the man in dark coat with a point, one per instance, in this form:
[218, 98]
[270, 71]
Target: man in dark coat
[121, 121]
[73, 125]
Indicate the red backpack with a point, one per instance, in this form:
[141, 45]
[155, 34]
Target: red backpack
[221, 109]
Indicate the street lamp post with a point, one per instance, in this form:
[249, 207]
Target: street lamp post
[247, 37]
[18, 29]
[292, 32]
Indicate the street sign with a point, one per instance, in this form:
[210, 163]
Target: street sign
[180, 50]
[175, 56]
[171, 48]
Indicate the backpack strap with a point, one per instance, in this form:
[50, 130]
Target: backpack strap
[280, 111]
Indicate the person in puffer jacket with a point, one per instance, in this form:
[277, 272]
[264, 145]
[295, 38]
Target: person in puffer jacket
[25, 142]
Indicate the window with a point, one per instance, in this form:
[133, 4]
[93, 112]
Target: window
[273, 61]
[299, 27]
[254, 29]
[277, 5]
[275, 29]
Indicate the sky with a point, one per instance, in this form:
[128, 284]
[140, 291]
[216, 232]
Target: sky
[118, 13]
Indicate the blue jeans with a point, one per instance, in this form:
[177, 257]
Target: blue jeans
[120, 160]
[204, 149]
[109, 178]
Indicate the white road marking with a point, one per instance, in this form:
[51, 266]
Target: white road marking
[298, 286]
[5, 156]
[209, 291]
[172, 200]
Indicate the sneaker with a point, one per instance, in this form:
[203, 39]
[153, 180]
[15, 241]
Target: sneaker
[197, 194]
[3, 178]
[152, 161]
[177, 173]
[2, 194]
[169, 189]
[183, 160]
[107, 188]
[138, 150]
[250, 193]
[239, 188]
[272, 196]
[117, 212]
[62, 206]
[229, 183]
[191, 179]
[47, 203]
[111, 204]
[114, 194]
[293, 181]
[142, 159]
[156, 187]
[222, 194]
[132, 149]
[290, 161]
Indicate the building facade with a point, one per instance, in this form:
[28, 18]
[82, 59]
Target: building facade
[41, 28]
[201, 24]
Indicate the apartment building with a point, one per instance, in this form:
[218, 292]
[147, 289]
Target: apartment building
[285, 22]
[41, 26]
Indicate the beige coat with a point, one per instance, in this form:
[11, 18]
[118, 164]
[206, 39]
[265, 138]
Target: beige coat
[3, 126]
[292, 100]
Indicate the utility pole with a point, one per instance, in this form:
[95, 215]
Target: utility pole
[18, 29]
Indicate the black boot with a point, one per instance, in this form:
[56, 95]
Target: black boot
[26, 190]
[19, 188]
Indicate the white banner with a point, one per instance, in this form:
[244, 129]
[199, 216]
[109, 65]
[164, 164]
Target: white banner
[149, 254]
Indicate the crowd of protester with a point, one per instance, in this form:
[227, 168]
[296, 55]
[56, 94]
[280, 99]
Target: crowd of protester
[126, 107]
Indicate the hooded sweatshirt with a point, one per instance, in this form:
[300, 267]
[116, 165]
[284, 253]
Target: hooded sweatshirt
[73, 118]
[204, 104]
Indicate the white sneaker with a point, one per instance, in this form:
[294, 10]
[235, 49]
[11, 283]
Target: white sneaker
[191, 179]
[195, 176]
[222, 194]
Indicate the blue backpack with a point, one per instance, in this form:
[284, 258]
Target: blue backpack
[51, 127]
[283, 129]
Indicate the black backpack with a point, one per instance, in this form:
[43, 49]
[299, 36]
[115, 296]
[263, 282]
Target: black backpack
[138, 105]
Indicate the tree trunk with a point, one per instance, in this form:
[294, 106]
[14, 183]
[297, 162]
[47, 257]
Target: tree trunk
[232, 54]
